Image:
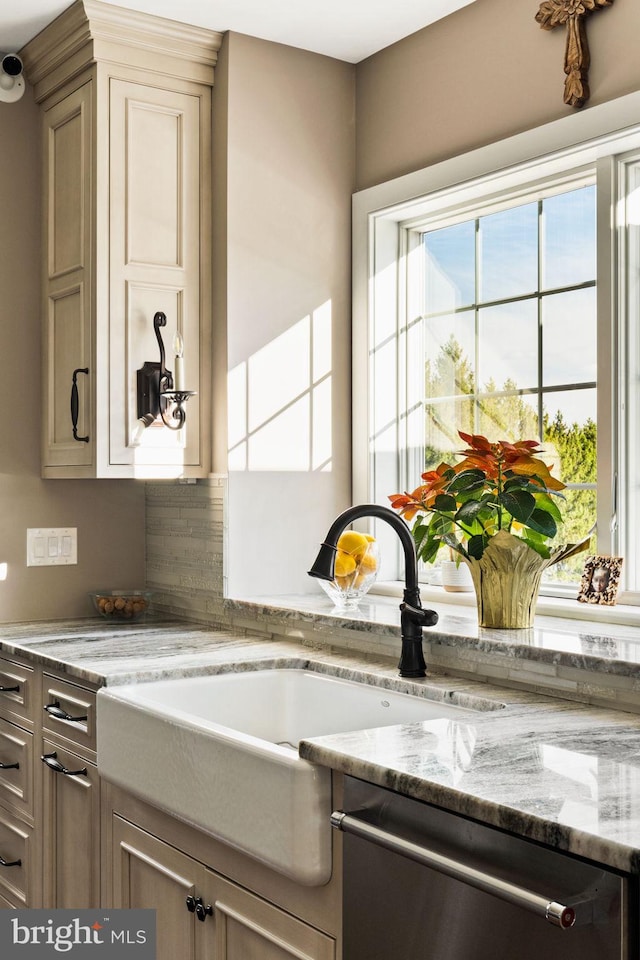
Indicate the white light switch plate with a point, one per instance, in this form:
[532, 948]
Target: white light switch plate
[52, 546]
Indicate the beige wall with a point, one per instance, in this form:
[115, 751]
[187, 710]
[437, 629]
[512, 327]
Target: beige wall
[283, 266]
[482, 74]
[109, 516]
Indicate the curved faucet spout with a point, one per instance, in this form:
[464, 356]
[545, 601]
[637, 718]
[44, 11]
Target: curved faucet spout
[412, 615]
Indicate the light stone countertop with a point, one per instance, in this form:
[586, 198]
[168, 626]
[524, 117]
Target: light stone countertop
[562, 773]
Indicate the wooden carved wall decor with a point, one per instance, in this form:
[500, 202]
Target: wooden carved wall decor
[573, 14]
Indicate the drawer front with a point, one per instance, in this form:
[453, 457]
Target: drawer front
[17, 686]
[69, 711]
[16, 851]
[16, 768]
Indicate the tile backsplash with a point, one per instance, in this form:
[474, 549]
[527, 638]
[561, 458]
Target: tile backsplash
[184, 543]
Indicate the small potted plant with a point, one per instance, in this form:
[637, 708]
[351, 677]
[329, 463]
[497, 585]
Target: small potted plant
[497, 510]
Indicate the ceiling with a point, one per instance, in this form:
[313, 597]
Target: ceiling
[346, 29]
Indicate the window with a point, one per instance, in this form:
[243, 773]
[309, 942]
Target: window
[498, 294]
[509, 334]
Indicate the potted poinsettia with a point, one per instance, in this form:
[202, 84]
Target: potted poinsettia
[497, 509]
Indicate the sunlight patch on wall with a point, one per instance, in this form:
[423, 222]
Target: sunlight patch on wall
[280, 401]
[3, 571]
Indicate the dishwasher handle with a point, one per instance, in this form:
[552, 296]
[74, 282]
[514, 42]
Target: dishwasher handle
[556, 913]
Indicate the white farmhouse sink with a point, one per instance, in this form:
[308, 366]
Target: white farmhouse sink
[220, 752]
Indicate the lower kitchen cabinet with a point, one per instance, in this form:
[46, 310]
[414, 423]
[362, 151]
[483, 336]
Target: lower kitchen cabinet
[70, 829]
[200, 914]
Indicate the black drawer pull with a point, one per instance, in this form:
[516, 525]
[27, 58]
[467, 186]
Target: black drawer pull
[9, 766]
[56, 711]
[10, 863]
[191, 904]
[51, 760]
[10, 689]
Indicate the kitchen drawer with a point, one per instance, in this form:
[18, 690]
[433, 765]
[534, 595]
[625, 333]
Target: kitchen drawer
[16, 768]
[17, 849]
[17, 689]
[69, 711]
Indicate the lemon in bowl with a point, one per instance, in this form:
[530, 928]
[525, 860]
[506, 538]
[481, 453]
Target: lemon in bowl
[356, 567]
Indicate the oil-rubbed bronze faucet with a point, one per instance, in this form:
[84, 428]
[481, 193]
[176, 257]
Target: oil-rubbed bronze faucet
[412, 615]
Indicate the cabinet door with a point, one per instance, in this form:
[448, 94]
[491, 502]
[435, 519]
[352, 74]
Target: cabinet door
[71, 830]
[68, 279]
[249, 928]
[150, 874]
[155, 240]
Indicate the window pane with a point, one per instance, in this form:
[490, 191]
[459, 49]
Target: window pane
[511, 417]
[509, 253]
[569, 238]
[569, 337]
[443, 419]
[508, 346]
[569, 434]
[450, 353]
[450, 267]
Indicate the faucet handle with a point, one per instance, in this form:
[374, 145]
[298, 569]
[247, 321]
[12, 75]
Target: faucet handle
[425, 618]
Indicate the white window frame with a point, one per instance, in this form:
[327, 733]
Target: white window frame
[384, 220]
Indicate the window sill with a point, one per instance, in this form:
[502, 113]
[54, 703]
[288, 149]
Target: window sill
[563, 607]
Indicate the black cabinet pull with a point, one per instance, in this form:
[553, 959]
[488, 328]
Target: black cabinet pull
[74, 404]
[10, 689]
[203, 912]
[51, 760]
[10, 863]
[196, 905]
[55, 710]
[9, 766]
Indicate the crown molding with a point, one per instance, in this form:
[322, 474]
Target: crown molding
[91, 31]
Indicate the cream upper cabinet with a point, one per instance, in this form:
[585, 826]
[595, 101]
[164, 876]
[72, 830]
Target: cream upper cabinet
[126, 103]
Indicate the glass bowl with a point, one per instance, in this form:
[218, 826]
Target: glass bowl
[122, 604]
[356, 569]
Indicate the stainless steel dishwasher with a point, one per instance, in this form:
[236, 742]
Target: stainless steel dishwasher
[424, 884]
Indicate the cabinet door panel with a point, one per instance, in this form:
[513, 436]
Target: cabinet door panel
[249, 928]
[68, 277]
[154, 240]
[71, 832]
[150, 874]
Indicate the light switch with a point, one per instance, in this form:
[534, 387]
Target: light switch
[52, 546]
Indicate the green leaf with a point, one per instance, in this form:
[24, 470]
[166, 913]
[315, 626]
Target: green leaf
[438, 525]
[420, 533]
[544, 502]
[543, 522]
[469, 511]
[519, 503]
[467, 480]
[428, 551]
[475, 546]
[515, 483]
[445, 503]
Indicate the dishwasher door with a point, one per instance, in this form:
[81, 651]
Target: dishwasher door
[490, 903]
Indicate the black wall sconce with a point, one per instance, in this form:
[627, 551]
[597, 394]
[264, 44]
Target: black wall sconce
[158, 396]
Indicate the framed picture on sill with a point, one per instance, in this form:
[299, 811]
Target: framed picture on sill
[600, 580]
